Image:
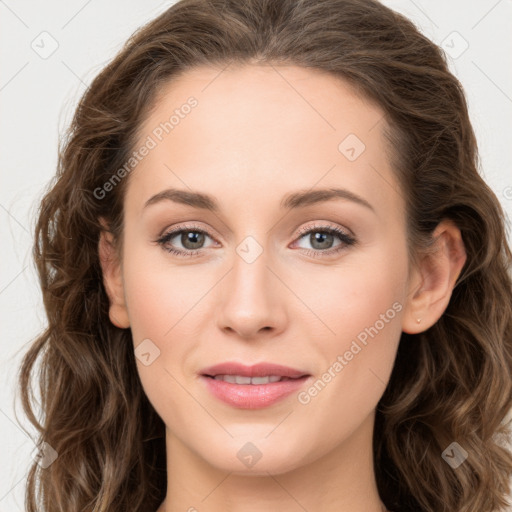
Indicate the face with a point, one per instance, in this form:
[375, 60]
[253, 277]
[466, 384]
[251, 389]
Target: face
[317, 284]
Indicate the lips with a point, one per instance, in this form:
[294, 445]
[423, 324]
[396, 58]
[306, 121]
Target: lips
[252, 387]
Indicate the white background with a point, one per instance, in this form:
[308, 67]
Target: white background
[37, 98]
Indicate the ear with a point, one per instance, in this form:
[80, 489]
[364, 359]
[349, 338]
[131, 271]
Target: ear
[112, 278]
[432, 283]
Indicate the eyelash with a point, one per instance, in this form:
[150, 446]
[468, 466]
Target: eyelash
[346, 239]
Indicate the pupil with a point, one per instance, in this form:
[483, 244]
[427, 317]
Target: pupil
[322, 238]
[191, 238]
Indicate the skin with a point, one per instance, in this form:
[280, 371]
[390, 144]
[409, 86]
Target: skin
[257, 134]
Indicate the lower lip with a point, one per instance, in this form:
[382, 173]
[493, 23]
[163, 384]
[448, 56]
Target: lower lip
[252, 396]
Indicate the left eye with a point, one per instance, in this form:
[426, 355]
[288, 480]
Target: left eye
[321, 238]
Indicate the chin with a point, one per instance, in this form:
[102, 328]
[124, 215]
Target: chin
[256, 458]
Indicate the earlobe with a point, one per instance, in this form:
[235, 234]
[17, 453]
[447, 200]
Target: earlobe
[112, 280]
[435, 279]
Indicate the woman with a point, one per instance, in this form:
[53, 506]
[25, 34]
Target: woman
[273, 275]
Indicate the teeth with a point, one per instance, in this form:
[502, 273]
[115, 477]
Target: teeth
[239, 379]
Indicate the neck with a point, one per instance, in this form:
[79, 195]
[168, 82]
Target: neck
[341, 480]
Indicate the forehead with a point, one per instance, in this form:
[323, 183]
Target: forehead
[253, 126]
[270, 94]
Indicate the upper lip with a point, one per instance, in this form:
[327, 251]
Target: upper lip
[256, 370]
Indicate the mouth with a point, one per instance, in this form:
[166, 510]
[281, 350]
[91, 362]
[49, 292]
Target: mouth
[252, 387]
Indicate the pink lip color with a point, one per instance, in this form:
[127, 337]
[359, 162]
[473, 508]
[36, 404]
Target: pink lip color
[252, 396]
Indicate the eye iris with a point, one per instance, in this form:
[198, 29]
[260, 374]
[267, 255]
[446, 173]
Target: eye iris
[191, 237]
[321, 237]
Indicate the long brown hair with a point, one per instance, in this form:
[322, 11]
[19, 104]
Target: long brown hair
[451, 383]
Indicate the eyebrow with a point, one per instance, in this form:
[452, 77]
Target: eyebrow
[294, 200]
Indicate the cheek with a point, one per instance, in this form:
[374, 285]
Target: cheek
[162, 302]
[361, 311]
[361, 293]
[167, 305]
[159, 295]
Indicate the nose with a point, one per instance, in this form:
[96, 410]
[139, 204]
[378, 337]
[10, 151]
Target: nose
[250, 299]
